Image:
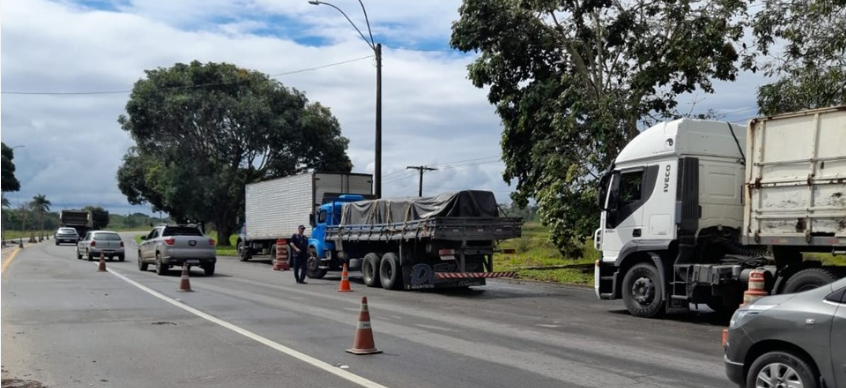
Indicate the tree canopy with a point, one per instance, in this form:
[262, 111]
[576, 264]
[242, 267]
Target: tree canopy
[203, 131]
[573, 81]
[10, 182]
[806, 40]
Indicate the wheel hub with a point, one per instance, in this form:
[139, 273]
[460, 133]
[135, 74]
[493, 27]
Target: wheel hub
[643, 290]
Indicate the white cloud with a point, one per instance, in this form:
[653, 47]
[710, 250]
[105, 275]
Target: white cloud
[432, 114]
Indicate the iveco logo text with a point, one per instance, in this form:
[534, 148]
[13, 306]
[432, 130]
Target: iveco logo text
[667, 178]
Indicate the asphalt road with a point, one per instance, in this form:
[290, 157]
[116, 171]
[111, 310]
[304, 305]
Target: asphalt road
[64, 324]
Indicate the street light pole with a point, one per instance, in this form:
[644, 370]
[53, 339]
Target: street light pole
[377, 51]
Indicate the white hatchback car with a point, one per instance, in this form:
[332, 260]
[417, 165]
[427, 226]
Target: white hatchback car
[98, 242]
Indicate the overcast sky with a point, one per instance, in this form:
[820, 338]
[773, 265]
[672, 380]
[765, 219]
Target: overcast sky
[72, 145]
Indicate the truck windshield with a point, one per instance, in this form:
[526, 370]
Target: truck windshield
[181, 231]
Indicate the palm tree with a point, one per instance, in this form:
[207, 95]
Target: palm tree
[41, 205]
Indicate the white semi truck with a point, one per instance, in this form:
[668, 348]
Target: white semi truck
[690, 207]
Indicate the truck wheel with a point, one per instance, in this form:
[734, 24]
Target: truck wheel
[390, 273]
[808, 279]
[313, 270]
[209, 269]
[370, 269]
[161, 268]
[643, 293]
[782, 367]
[243, 255]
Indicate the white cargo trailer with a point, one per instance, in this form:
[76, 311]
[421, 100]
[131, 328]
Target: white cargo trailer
[691, 207]
[274, 208]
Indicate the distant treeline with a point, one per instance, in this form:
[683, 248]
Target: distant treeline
[25, 219]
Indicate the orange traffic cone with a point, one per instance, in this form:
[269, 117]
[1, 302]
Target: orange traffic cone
[102, 267]
[345, 280]
[363, 343]
[185, 283]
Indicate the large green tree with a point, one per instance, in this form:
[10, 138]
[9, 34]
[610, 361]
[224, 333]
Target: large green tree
[806, 43]
[40, 205]
[203, 131]
[10, 182]
[574, 80]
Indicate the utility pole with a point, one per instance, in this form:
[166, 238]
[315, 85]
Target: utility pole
[421, 169]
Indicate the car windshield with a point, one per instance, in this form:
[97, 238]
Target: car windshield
[181, 231]
[107, 237]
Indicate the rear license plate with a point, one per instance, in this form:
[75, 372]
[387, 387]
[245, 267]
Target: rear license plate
[193, 261]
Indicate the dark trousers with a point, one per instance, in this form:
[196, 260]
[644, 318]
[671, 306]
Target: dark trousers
[300, 268]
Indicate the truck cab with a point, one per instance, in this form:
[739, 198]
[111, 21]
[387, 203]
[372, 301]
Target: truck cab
[670, 183]
[328, 215]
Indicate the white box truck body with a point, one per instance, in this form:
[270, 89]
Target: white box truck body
[274, 208]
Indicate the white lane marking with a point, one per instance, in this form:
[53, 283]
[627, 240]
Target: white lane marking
[549, 326]
[246, 333]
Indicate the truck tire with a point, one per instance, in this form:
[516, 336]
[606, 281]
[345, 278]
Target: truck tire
[370, 269]
[313, 270]
[243, 254]
[390, 272]
[161, 268]
[643, 293]
[808, 279]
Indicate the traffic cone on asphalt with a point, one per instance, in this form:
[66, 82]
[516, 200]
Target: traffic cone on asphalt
[363, 343]
[102, 267]
[345, 280]
[185, 283]
[756, 288]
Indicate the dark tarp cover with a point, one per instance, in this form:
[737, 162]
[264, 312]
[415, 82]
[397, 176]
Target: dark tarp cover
[467, 203]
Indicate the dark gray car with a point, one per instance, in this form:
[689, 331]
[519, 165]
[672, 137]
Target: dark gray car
[790, 341]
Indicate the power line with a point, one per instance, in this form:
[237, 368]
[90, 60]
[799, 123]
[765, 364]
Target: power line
[182, 87]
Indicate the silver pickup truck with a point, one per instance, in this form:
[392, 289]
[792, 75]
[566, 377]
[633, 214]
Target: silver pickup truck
[168, 246]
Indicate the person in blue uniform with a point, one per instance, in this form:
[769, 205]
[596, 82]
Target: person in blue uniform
[299, 250]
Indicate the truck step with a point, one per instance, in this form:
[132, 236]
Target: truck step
[606, 278]
[679, 297]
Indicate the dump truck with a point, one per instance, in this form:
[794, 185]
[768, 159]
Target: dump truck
[80, 220]
[411, 243]
[691, 207]
[274, 208]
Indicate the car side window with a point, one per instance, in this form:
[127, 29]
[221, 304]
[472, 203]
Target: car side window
[838, 296]
[152, 234]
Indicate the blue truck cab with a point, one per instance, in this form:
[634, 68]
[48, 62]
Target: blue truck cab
[328, 216]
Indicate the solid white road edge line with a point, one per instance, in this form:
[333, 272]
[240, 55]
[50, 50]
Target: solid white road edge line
[246, 333]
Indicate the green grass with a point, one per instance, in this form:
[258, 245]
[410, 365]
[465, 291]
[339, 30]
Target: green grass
[826, 258]
[535, 250]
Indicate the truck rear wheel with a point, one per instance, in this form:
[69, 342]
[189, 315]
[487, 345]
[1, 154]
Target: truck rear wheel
[643, 293]
[390, 272]
[370, 270]
[808, 279]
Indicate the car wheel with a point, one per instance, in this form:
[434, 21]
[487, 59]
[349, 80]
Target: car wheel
[808, 279]
[780, 369]
[57, 243]
[142, 266]
[121, 258]
[209, 269]
[643, 293]
[90, 255]
[78, 256]
[243, 255]
[390, 272]
[161, 268]
[370, 270]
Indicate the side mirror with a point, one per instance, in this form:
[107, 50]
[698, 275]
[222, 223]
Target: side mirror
[143, 237]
